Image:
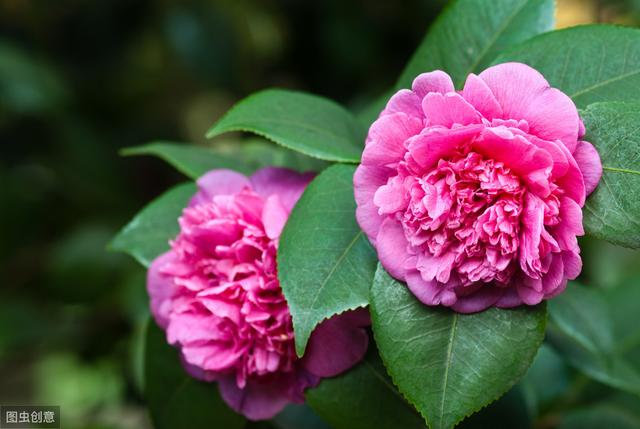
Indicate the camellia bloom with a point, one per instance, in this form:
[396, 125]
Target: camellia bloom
[217, 295]
[474, 197]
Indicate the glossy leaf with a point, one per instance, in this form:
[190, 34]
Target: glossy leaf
[313, 125]
[581, 330]
[612, 212]
[175, 399]
[147, 235]
[450, 365]
[364, 398]
[325, 263]
[589, 63]
[192, 161]
[470, 33]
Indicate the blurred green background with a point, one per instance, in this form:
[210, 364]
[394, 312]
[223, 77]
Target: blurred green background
[80, 80]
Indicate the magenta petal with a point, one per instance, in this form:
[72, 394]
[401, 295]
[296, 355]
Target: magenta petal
[509, 299]
[448, 109]
[435, 81]
[554, 277]
[274, 216]
[387, 136]
[366, 182]
[392, 248]
[530, 290]
[429, 292]
[337, 344]
[430, 146]
[480, 96]
[480, 300]
[588, 160]
[572, 264]
[219, 182]
[287, 184]
[523, 93]
[570, 225]
[524, 158]
[160, 289]
[257, 401]
[404, 101]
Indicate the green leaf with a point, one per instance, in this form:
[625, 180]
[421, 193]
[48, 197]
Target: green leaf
[612, 212]
[581, 330]
[175, 399]
[447, 364]
[325, 263]
[363, 398]
[589, 63]
[147, 235]
[469, 34]
[258, 153]
[190, 160]
[313, 125]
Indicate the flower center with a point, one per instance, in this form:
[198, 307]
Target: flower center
[464, 217]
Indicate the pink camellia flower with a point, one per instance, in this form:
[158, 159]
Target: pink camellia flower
[217, 295]
[474, 197]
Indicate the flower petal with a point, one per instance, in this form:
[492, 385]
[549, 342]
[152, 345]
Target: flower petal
[435, 81]
[160, 288]
[257, 401]
[337, 344]
[448, 110]
[219, 182]
[274, 216]
[590, 165]
[391, 245]
[366, 181]
[480, 96]
[404, 101]
[523, 93]
[386, 138]
[287, 184]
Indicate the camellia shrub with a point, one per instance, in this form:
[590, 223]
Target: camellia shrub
[415, 264]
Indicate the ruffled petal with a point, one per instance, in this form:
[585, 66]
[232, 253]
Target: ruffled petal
[430, 146]
[530, 162]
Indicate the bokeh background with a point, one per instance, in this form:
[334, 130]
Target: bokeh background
[80, 80]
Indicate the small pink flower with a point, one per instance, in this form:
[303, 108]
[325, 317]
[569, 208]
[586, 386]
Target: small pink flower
[474, 197]
[217, 295]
